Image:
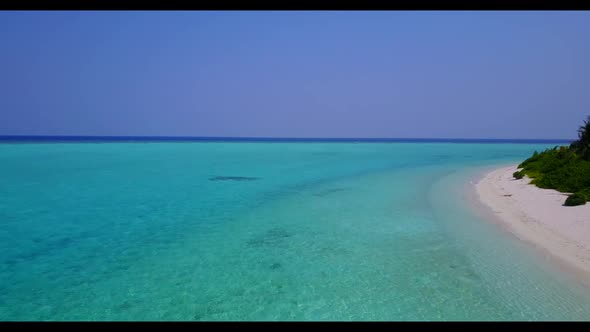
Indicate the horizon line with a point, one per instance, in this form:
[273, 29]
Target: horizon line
[147, 137]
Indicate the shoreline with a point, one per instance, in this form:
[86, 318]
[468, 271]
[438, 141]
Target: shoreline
[537, 216]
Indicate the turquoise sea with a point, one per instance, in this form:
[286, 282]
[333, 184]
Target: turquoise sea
[265, 231]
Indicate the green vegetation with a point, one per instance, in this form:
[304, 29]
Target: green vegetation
[575, 199]
[518, 174]
[566, 169]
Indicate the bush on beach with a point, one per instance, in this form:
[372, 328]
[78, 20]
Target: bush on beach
[575, 199]
[518, 175]
[564, 168]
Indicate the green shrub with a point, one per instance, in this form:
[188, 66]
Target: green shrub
[558, 168]
[575, 199]
[563, 168]
[585, 192]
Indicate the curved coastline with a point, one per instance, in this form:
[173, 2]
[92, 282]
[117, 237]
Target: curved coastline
[538, 217]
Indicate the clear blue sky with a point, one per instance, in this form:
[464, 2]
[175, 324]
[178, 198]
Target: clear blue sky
[295, 74]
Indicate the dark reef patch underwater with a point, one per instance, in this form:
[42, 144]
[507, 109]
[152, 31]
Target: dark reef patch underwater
[233, 178]
[270, 238]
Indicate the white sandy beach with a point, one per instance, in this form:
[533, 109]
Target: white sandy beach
[538, 216]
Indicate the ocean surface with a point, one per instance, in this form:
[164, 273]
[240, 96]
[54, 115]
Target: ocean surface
[265, 230]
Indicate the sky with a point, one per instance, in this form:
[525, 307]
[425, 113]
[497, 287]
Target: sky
[397, 74]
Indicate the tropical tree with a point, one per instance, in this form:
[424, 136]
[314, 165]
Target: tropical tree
[582, 145]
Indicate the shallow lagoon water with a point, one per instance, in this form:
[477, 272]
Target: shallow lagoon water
[264, 231]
